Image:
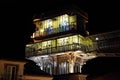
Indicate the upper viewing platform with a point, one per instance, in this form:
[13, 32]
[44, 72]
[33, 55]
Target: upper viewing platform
[67, 20]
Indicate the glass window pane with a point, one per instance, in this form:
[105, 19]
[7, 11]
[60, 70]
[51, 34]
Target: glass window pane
[75, 39]
[53, 43]
[44, 44]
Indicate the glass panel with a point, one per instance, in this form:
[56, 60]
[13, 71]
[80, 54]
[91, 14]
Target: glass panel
[62, 41]
[72, 20]
[59, 42]
[54, 50]
[53, 43]
[70, 40]
[55, 22]
[48, 44]
[66, 39]
[44, 44]
[63, 23]
[39, 30]
[39, 46]
[48, 26]
[42, 28]
[81, 39]
[75, 39]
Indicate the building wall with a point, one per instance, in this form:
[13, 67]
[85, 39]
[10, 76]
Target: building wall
[71, 77]
[30, 77]
[78, 77]
[19, 64]
[20, 71]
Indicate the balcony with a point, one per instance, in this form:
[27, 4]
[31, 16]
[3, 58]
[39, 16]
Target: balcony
[71, 47]
[50, 31]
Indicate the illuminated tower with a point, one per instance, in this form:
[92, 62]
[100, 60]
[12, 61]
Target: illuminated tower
[60, 45]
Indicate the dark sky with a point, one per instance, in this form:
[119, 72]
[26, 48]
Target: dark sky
[16, 21]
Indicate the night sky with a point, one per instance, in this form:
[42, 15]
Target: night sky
[16, 21]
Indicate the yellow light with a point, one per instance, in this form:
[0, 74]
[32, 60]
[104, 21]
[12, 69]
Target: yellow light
[41, 30]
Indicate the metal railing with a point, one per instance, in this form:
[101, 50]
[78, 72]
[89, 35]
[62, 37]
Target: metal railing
[54, 31]
[107, 42]
[58, 49]
[109, 45]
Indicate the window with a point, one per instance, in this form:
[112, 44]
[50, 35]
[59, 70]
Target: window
[72, 20]
[44, 45]
[64, 23]
[11, 72]
[53, 43]
[49, 26]
[75, 39]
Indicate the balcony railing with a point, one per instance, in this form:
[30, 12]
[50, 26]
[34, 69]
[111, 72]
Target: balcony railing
[58, 49]
[108, 42]
[109, 45]
[54, 31]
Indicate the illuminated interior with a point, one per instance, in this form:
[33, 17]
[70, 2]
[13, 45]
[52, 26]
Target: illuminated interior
[55, 25]
[70, 43]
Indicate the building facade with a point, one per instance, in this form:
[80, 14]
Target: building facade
[14, 70]
[11, 69]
